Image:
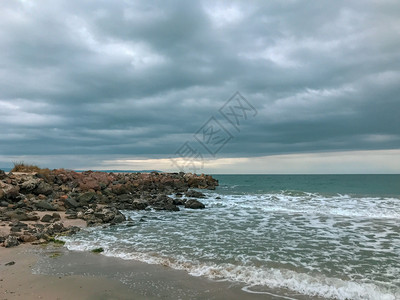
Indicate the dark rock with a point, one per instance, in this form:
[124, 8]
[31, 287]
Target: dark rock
[179, 201]
[15, 229]
[71, 203]
[124, 198]
[194, 204]
[19, 215]
[139, 204]
[11, 241]
[194, 194]
[45, 205]
[218, 198]
[47, 218]
[3, 175]
[167, 207]
[56, 216]
[71, 216]
[43, 188]
[8, 191]
[53, 229]
[86, 198]
[30, 185]
[119, 218]
[11, 263]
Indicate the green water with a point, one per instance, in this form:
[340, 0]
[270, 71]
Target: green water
[355, 185]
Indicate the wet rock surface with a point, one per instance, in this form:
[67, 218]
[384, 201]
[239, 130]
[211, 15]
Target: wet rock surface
[95, 197]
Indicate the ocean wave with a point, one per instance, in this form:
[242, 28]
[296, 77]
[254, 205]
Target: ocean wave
[312, 203]
[251, 276]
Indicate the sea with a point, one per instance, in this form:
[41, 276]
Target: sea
[323, 236]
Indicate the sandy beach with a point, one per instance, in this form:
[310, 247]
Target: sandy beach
[51, 272]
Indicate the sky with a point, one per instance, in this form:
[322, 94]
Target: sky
[204, 86]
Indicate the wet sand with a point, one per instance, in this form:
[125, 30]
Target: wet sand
[18, 282]
[50, 272]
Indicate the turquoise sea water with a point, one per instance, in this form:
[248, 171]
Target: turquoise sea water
[327, 236]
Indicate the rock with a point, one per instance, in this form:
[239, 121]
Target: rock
[39, 242]
[11, 241]
[47, 218]
[71, 216]
[179, 201]
[119, 218]
[86, 198]
[28, 238]
[53, 229]
[90, 211]
[194, 204]
[30, 185]
[3, 175]
[43, 188]
[11, 263]
[8, 191]
[56, 216]
[17, 226]
[32, 216]
[45, 205]
[139, 204]
[71, 203]
[218, 198]
[194, 194]
[19, 215]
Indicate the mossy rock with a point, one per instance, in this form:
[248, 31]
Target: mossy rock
[97, 250]
[55, 241]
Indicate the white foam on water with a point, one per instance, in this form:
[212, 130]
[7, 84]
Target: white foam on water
[257, 276]
[336, 247]
[312, 203]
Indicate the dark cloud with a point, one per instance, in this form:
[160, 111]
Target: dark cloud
[139, 78]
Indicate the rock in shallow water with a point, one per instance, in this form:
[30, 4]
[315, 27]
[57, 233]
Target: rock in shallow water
[194, 204]
[194, 194]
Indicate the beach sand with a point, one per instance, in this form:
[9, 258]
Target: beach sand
[51, 272]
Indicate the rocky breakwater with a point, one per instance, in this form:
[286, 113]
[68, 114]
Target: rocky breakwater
[35, 207]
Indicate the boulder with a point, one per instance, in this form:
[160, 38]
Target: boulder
[11, 241]
[194, 194]
[194, 204]
[28, 238]
[119, 218]
[86, 198]
[47, 218]
[71, 203]
[43, 188]
[3, 175]
[56, 216]
[179, 201]
[30, 185]
[139, 204]
[8, 191]
[21, 215]
[45, 205]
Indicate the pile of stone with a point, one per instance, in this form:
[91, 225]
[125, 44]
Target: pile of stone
[95, 197]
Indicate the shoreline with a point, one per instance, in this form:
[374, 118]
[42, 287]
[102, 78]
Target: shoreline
[54, 272]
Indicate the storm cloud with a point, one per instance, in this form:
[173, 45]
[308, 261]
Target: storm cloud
[104, 80]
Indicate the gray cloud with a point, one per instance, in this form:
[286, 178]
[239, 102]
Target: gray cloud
[134, 78]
